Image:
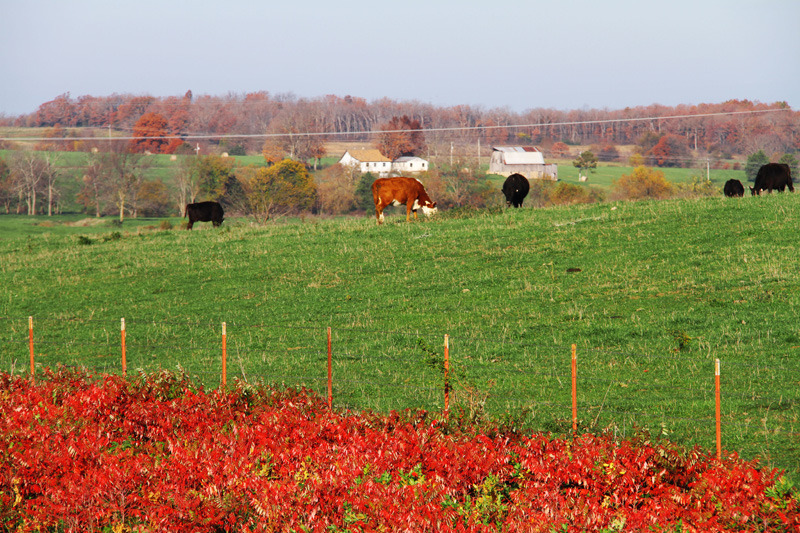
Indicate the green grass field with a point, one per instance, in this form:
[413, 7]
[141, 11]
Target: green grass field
[607, 173]
[650, 292]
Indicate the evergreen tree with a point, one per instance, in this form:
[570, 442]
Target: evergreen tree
[754, 163]
[364, 193]
[789, 159]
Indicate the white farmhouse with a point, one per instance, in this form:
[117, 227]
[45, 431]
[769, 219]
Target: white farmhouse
[408, 164]
[370, 160]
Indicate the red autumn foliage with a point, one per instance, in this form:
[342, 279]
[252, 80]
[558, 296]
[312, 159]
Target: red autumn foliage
[401, 136]
[150, 135]
[157, 453]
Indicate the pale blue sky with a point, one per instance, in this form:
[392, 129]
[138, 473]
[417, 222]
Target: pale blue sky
[560, 54]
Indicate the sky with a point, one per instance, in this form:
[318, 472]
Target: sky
[513, 55]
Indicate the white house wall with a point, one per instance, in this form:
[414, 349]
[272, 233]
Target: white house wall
[376, 167]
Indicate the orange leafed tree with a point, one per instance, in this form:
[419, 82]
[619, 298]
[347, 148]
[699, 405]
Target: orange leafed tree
[671, 151]
[401, 136]
[640, 184]
[150, 134]
[559, 149]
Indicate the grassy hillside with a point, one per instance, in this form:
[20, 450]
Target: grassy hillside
[650, 292]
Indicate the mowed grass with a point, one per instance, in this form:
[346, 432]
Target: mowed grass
[651, 293]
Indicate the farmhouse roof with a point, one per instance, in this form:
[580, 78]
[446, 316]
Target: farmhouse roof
[368, 155]
[407, 158]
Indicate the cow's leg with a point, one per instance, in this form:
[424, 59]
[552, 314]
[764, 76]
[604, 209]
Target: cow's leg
[378, 208]
[412, 206]
[190, 224]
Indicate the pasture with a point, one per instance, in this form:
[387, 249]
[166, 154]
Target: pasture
[650, 292]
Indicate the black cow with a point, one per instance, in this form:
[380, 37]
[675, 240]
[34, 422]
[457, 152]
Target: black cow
[204, 212]
[733, 188]
[515, 189]
[772, 176]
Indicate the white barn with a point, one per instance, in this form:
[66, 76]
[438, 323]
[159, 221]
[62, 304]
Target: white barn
[525, 160]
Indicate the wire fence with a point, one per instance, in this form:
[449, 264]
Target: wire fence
[519, 383]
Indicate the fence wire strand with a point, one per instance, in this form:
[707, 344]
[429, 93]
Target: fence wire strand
[403, 369]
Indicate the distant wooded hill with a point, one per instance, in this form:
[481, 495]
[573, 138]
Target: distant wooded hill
[244, 123]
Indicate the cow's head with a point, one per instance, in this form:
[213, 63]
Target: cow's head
[753, 191]
[429, 208]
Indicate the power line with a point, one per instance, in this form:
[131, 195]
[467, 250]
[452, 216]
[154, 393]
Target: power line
[197, 137]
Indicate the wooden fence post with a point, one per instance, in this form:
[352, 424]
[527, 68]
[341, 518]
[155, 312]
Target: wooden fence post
[574, 389]
[718, 409]
[124, 360]
[224, 355]
[446, 376]
[30, 342]
[330, 371]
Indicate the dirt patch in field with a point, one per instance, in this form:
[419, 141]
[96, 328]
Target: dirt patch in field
[86, 222]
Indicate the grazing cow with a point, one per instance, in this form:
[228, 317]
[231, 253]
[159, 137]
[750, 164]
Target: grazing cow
[204, 212]
[733, 188]
[399, 191]
[516, 188]
[772, 176]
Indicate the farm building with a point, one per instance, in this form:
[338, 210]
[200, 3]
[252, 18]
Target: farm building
[525, 160]
[409, 165]
[375, 162]
[368, 161]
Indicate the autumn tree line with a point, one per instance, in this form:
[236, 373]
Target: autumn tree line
[118, 132]
[708, 129]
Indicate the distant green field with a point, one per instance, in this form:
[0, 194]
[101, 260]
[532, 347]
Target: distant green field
[606, 174]
[650, 292]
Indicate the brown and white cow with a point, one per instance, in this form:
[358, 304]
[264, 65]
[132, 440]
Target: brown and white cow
[399, 191]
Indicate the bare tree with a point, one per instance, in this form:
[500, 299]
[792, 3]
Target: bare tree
[28, 170]
[187, 179]
[50, 176]
[298, 127]
[7, 188]
[124, 171]
[94, 190]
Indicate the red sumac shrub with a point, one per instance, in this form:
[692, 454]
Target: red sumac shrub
[156, 453]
